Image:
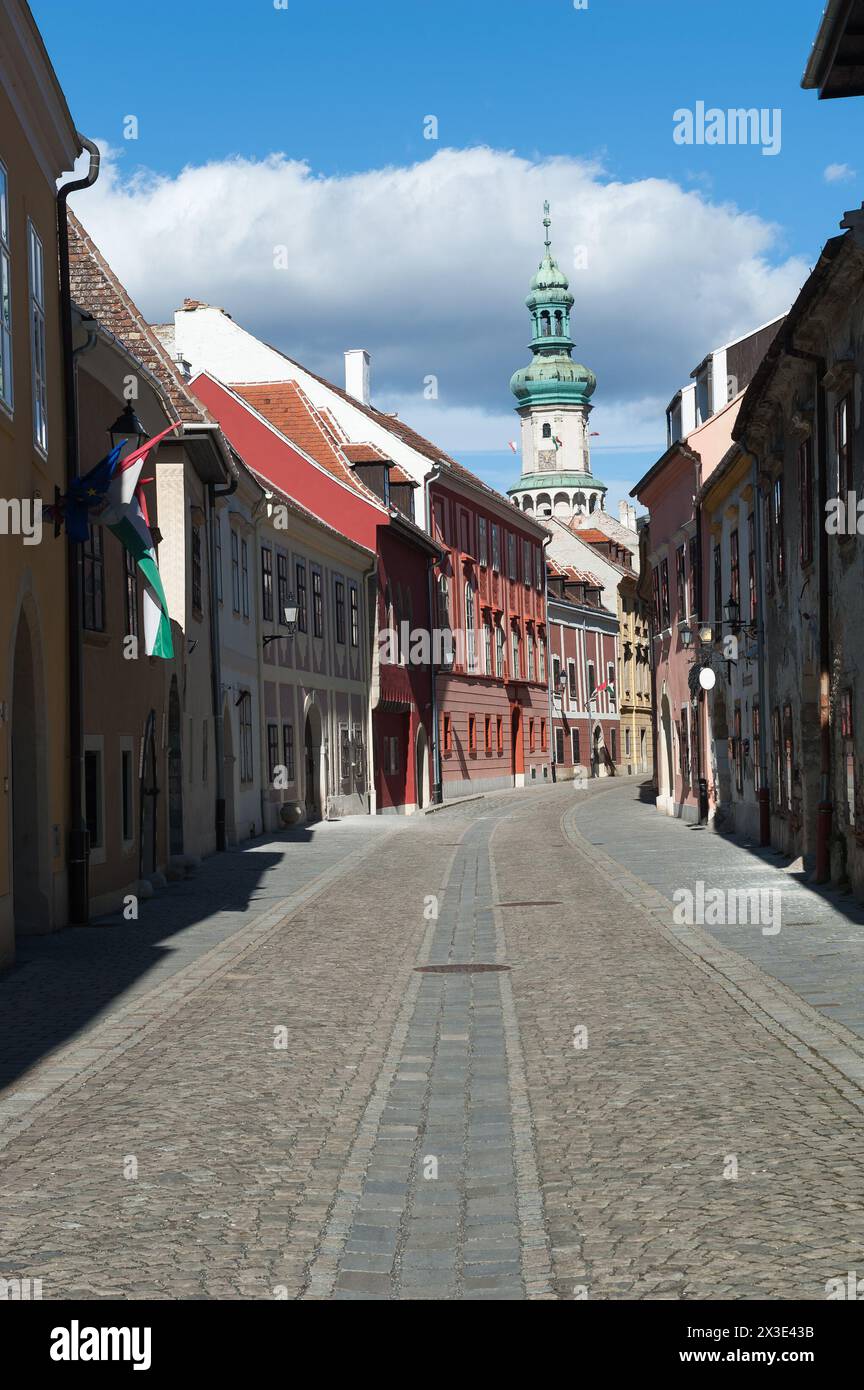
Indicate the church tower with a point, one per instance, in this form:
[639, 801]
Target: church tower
[554, 403]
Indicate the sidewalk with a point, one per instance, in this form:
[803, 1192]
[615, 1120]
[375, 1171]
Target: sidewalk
[819, 950]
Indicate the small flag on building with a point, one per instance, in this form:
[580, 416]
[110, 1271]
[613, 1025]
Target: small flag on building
[126, 515]
[514, 446]
[559, 443]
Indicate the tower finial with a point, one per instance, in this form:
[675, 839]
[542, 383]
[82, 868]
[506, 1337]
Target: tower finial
[547, 223]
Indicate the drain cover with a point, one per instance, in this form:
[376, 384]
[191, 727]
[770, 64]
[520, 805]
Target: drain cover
[470, 969]
[536, 902]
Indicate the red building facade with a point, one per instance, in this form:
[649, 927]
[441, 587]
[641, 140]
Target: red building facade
[583, 639]
[492, 700]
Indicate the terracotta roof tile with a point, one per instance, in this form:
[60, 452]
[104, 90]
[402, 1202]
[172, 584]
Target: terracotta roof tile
[96, 289]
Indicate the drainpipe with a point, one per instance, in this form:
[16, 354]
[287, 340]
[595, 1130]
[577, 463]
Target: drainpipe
[216, 660]
[701, 712]
[78, 850]
[824, 811]
[438, 789]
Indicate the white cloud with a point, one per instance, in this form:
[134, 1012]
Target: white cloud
[839, 173]
[428, 266]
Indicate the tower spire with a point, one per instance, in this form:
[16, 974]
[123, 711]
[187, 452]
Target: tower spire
[547, 223]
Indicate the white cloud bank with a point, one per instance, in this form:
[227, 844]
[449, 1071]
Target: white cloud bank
[427, 266]
[839, 173]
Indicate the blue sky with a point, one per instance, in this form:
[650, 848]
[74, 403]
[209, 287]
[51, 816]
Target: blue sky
[344, 88]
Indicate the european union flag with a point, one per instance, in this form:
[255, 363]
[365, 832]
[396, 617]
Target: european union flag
[88, 492]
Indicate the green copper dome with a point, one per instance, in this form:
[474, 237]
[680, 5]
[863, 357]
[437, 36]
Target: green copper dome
[553, 378]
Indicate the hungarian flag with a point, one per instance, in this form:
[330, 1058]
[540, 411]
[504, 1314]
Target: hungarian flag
[126, 515]
[559, 443]
[514, 446]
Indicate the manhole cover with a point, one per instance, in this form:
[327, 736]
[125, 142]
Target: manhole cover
[457, 969]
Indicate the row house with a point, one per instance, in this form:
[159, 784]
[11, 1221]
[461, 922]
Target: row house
[692, 626]
[801, 431]
[300, 451]
[154, 772]
[492, 691]
[408, 474]
[38, 142]
[583, 641]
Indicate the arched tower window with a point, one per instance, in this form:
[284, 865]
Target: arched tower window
[547, 431]
[545, 325]
[559, 324]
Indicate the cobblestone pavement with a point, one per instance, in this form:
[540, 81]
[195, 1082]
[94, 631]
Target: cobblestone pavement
[319, 1101]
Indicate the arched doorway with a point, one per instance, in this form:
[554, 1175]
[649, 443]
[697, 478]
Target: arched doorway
[175, 771]
[312, 741]
[517, 747]
[228, 765]
[667, 780]
[30, 901]
[421, 768]
[148, 801]
[597, 751]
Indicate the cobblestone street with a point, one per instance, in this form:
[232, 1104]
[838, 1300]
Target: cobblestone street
[286, 1082]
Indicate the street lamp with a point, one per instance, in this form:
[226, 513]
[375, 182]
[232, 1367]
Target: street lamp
[686, 635]
[289, 620]
[732, 612]
[127, 428]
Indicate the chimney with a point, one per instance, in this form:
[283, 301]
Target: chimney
[357, 375]
[627, 514]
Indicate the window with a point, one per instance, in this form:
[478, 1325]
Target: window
[664, 593]
[217, 548]
[131, 568]
[499, 733]
[196, 568]
[235, 572]
[345, 759]
[738, 751]
[541, 659]
[718, 587]
[556, 673]
[547, 431]
[499, 650]
[655, 583]
[464, 534]
[359, 760]
[681, 580]
[391, 755]
[691, 577]
[627, 743]
[538, 568]
[788, 755]
[529, 655]
[267, 584]
[483, 541]
[272, 751]
[247, 767]
[769, 545]
[751, 568]
[5, 295]
[571, 682]
[127, 810]
[487, 732]
[244, 577]
[846, 733]
[757, 748]
[805, 494]
[592, 681]
[443, 602]
[354, 599]
[684, 746]
[317, 605]
[610, 684]
[487, 648]
[496, 549]
[288, 750]
[472, 733]
[511, 556]
[574, 745]
[559, 745]
[530, 735]
[470, 634]
[613, 744]
[302, 597]
[845, 469]
[526, 564]
[778, 761]
[514, 638]
[281, 584]
[93, 567]
[447, 737]
[438, 514]
[735, 571]
[543, 734]
[37, 339]
[777, 511]
[340, 611]
[93, 798]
